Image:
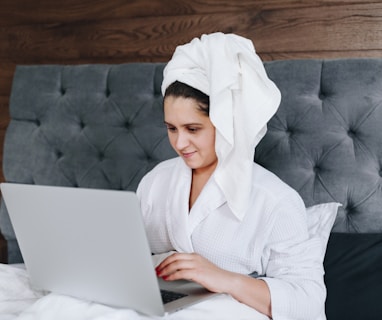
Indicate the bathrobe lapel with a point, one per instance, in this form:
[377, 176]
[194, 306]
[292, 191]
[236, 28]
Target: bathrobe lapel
[177, 208]
[180, 221]
[209, 199]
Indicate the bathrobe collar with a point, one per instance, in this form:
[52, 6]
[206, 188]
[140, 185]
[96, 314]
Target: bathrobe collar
[181, 221]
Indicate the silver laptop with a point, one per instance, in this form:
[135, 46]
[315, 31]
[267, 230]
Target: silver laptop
[91, 244]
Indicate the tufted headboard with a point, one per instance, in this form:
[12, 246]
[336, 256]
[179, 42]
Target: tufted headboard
[90, 126]
[101, 126]
[326, 138]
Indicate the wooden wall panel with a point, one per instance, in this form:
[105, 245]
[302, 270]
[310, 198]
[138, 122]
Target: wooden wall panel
[52, 11]
[118, 31]
[288, 31]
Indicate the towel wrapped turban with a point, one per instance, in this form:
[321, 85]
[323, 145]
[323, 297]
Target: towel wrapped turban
[242, 101]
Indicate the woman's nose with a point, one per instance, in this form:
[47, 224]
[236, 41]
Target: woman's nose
[182, 141]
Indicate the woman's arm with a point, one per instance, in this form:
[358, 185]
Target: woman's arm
[293, 287]
[191, 266]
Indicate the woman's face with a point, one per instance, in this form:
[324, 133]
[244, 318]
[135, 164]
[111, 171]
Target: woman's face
[190, 132]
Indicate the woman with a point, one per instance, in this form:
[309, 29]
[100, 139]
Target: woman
[223, 215]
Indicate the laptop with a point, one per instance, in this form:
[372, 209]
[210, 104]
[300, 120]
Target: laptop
[91, 244]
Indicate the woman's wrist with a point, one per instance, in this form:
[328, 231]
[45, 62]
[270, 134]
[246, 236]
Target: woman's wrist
[250, 291]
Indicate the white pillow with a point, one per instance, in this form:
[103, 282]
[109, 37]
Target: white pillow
[320, 220]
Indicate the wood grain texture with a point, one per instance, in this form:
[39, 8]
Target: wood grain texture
[119, 31]
[47, 11]
[274, 32]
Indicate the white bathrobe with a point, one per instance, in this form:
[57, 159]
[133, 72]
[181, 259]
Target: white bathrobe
[271, 238]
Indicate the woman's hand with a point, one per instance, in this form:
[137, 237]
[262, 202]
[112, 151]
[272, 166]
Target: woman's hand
[192, 266]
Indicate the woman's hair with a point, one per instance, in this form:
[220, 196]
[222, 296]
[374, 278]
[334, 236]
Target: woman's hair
[180, 89]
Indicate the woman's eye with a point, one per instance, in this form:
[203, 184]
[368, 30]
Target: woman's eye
[171, 129]
[193, 130]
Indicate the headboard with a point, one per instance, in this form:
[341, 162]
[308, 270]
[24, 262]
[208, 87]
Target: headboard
[325, 140]
[101, 126]
[90, 126]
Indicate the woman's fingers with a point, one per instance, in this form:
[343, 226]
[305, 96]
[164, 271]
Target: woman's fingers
[174, 263]
[191, 266]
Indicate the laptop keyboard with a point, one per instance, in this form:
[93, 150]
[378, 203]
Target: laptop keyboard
[168, 296]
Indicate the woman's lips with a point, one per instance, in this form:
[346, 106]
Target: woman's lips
[188, 154]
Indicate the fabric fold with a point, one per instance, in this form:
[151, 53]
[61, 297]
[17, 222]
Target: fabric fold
[177, 208]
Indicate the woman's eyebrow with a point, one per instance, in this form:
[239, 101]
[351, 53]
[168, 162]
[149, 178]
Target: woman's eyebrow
[185, 124]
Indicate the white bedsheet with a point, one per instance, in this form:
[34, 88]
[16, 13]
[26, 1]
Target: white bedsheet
[19, 301]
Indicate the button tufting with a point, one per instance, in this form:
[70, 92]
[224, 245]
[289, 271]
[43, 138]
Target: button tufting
[107, 93]
[351, 133]
[349, 210]
[350, 213]
[38, 123]
[289, 132]
[63, 91]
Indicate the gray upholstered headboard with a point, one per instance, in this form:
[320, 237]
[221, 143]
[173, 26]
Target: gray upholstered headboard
[96, 126]
[326, 138]
[101, 126]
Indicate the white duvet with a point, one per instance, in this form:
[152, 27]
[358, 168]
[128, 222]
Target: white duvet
[19, 301]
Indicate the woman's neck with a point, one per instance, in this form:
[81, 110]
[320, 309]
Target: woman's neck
[199, 180]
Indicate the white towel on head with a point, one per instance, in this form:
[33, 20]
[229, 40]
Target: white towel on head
[242, 101]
